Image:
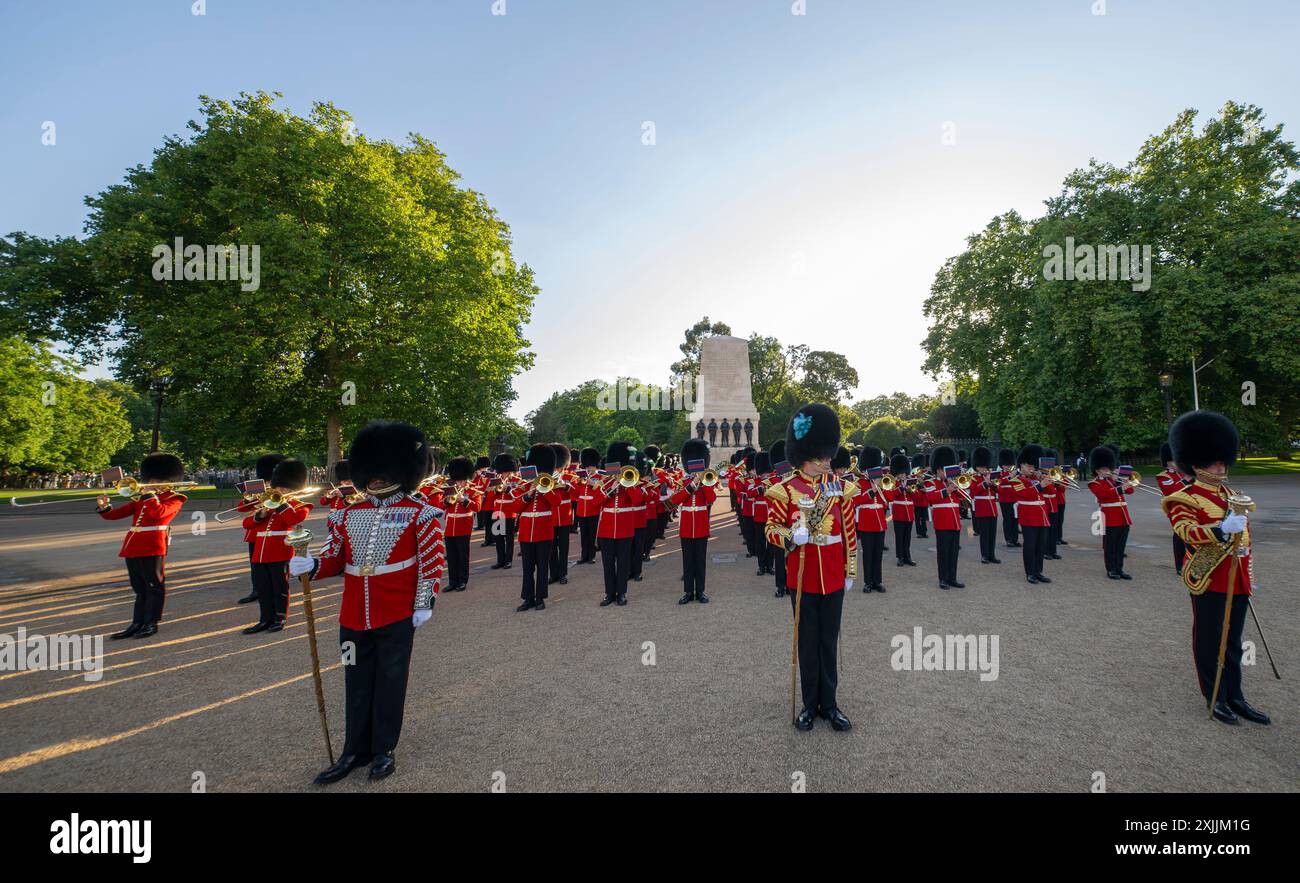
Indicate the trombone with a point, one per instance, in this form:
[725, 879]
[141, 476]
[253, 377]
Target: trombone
[125, 487]
[1135, 478]
[1068, 477]
[269, 500]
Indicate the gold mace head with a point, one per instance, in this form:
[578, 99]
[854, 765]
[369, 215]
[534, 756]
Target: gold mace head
[1241, 504]
[299, 538]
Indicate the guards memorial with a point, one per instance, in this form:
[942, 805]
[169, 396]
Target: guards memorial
[724, 413]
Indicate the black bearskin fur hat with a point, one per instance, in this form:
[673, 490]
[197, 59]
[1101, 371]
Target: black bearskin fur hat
[1101, 457]
[777, 451]
[842, 459]
[162, 468]
[290, 473]
[563, 456]
[763, 462]
[981, 456]
[898, 464]
[391, 451]
[812, 434]
[942, 456]
[589, 457]
[918, 460]
[1006, 457]
[504, 463]
[459, 468]
[870, 457]
[266, 465]
[695, 449]
[652, 453]
[1030, 455]
[342, 472]
[482, 463]
[1202, 438]
[619, 452]
[1166, 453]
[541, 456]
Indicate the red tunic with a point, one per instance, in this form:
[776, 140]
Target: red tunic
[149, 532]
[622, 514]
[870, 505]
[944, 511]
[269, 533]
[1031, 506]
[1170, 482]
[564, 496]
[694, 510]
[459, 516]
[1192, 512]
[901, 505]
[818, 569]
[537, 517]
[392, 556]
[1114, 508]
[982, 493]
[589, 498]
[1006, 494]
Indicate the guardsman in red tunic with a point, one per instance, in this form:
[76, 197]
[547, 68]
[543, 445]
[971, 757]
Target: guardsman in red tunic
[746, 488]
[984, 494]
[460, 502]
[1007, 497]
[943, 495]
[145, 544]
[872, 508]
[537, 512]
[1031, 512]
[920, 497]
[1205, 445]
[1170, 482]
[780, 469]
[389, 548]
[902, 509]
[482, 476]
[1053, 493]
[622, 510]
[564, 515]
[590, 501]
[504, 505]
[811, 513]
[265, 466]
[270, 525]
[758, 485]
[340, 495]
[694, 502]
[1115, 519]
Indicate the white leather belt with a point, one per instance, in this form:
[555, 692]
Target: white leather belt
[900, 502]
[943, 505]
[154, 527]
[870, 506]
[274, 533]
[693, 509]
[459, 514]
[533, 514]
[985, 498]
[1031, 502]
[1108, 505]
[620, 509]
[371, 570]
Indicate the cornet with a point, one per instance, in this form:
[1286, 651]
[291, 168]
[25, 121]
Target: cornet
[708, 478]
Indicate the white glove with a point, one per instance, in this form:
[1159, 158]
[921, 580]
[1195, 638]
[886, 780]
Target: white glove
[1233, 524]
[848, 584]
[300, 564]
[421, 616]
[800, 536]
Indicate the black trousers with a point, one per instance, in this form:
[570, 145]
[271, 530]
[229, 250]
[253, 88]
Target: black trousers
[485, 525]
[587, 537]
[250, 568]
[458, 561]
[505, 540]
[616, 558]
[694, 561]
[375, 686]
[638, 552]
[987, 528]
[272, 582]
[560, 553]
[1058, 521]
[903, 540]
[778, 565]
[537, 570]
[1180, 552]
[819, 638]
[1113, 542]
[663, 523]
[1207, 629]
[1050, 541]
[873, 550]
[1033, 546]
[149, 583]
[747, 532]
[1010, 527]
[948, 546]
[762, 548]
[922, 520]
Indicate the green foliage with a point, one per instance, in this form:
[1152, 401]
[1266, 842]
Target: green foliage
[626, 433]
[891, 432]
[1072, 363]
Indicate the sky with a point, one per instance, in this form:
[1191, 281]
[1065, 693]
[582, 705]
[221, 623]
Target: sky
[809, 173]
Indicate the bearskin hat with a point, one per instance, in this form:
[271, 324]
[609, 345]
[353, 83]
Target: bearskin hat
[342, 472]
[747, 455]
[961, 455]
[763, 462]
[942, 456]
[981, 457]
[589, 457]
[1166, 453]
[1031, 454]
[812, 434]
[619, 452]
[389, 450]
[266, 465]
[898, 464]
[1102, 457]
[162, 468]
[1202, 438]
[652, 453]
[482, 463]
[290, 473]
[1006, 457]
[459, 468]
[777, 451]
[918, 460]
[842, 459]
[504, 463]
[695, 449]
[870, 457]
[542, 456]
[563, 456]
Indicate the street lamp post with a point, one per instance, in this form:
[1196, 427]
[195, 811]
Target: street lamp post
[1166, 381]
[158, 385]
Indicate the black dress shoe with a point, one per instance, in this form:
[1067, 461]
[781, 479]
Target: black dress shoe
[1053, 557]
[147, 630]
[910, 563]
[1110, 574]
[497, 566]
[541, 605]
[637, 578]
[126, 632]
[901, 562]
[1063, 542]
[1013, 545]
[943, 585]
[1125, 575]
[984, 561]
[382, 766]
[995, 561]
[1031, 579]
[879, 587]
[277, 626]
[527, 605]
[1043, 579]
[621, 601]
[509, 564]
[686, 599]
[702, 598]
[839, 723]
[779, 593]
[606, 601]
[247, 599]
[867, 588]
[254, 629]
[564, 580]
[804, 721]
[344, 765]
[957, 585]
[1224, 714]
[1250, 713]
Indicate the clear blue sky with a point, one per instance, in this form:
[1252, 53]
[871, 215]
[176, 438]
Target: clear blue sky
[799, 186]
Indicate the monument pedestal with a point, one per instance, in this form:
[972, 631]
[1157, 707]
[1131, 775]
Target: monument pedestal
[722, 395]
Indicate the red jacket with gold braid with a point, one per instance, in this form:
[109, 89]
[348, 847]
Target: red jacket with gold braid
[392, 557]
[1170, 482]
[1195, 513]
[150, 516]
[821, 565]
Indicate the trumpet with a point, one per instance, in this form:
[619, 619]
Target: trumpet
[544, 483]
[887, 483]
[271, 500]
[708, 478]
[126, 487]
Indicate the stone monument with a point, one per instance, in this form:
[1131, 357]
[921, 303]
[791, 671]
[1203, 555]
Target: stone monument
[722, 396]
